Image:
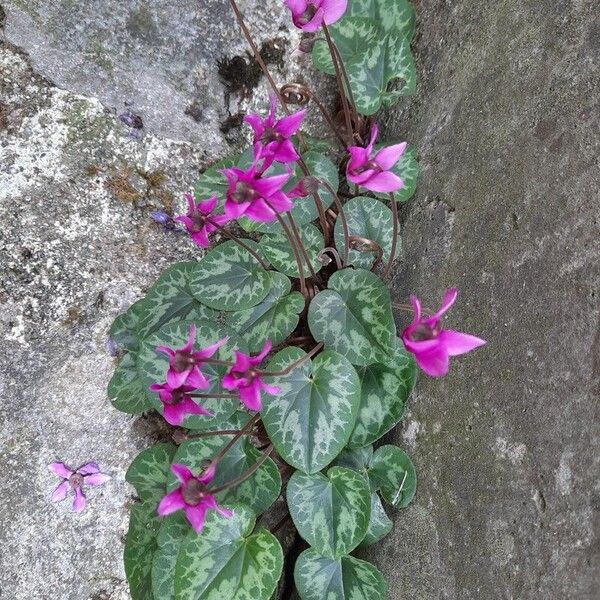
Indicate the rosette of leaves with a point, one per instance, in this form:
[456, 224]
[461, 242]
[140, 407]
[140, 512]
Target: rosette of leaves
[373, 39]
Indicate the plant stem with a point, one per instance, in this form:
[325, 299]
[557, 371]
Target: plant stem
[295, 364]
[243, 431]
[394, 235]
[280, 523]
[228, 396]
[342, 216]
[301, 245]
[336, 255]
[292, 242]
[202, 434]
[246, 474]
[239, 242]
[340, 82]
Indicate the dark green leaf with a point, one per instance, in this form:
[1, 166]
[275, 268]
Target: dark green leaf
[394, 474]
[149, 471]
[331, 513]
[379, 523]
[310, 420]
[123, 331]
[126, 390]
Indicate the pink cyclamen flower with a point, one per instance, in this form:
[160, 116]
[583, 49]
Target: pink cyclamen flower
[199, 220]
[373, 172]
[244, 378]
[432, 345]
[184, 363]
[309, 15]
[192, 496]
[254, 196]
[75, 479]
[177, 403]
[272, 137]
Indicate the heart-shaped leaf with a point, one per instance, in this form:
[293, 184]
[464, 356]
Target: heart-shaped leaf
[153, 365]
[259, 491]
[379, 523]
[272, 319]
[212, 182]
[124, 329]
[310, 420]
[226, 561]
[277, 248]
[149, 471]
[393, 15]
[140, 546]
[230, 278]
[126, 390]
[331, 513]
[354, 316]
[370, 219]
[394, 474]
[173, 530]
[318, 577]
[170, 299]
[385, 388]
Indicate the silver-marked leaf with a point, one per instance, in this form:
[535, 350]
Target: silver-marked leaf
[277, 248]
[149, 471]
[359, 459]
[230, 278]
[354, 316]
[140, 545]
[126, 390]
[172, 532]
[272, 319]
[259, 491]
[124, 329]
[211, 182]
[379, 523]
[227, 562]
[153, 365]
[408, 169]
[170, 299]
[385, 388]
[305, 209]
[393, 15]
[347, 578]
[393, 473]
[330, 512]
[311, 418]
[370, 219]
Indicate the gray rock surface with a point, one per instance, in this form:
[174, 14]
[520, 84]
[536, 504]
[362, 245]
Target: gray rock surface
[506, 125]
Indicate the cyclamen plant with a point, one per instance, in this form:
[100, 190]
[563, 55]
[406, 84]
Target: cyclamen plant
[276, 355]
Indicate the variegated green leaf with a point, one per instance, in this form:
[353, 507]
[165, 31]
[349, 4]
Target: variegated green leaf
[170, 299]
[305, 209]
[172, 532]
[311, 418]
[230, 278]
[354, 316]
[126, 390]
[277, 248]
[393, 15]
[259, 491]
[347, 578]
[149, 471]
[379, 523]
[394, 474]
[227, 562]
[153, 365]
[212, 182]
[358, 459]
[124, 329]
[370, 219]
[408, 169]
[385, 388]
[140, 545]
[272, 319]
[331, 513]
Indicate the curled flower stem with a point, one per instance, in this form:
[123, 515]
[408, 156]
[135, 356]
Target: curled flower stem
[304, 91]
[240, 243]
[340, 82]
[246, 474]
[336, 255]
[362, 244]
[394, 235]
[295, 364]
[342, 216]
[231, 443]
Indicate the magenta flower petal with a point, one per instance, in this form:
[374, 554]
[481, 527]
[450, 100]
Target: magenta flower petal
[88, 468]
[387, 157]
[60, 469]
[267, 186]
[196, 515]
[207, 207]
[209, 351]
[182, 472]
[79, 500]
[172, 502]
[271, 389]
[416, 304]
[260, 211]
[250, 396]
[289, 125]
[200, 238]
[457, 343]
[447, 301]
[286, 153]
[177, 379]
[434, 362]
[210, 502]
[197, 380]
[265, 350]
[208, 474]
[174, 414]
[334, 10]
[60, 492]
[256, 122]
[385, 182]
[192, 408]
[96, 479]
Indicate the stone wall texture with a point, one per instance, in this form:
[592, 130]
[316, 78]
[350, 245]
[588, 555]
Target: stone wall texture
[507, 210]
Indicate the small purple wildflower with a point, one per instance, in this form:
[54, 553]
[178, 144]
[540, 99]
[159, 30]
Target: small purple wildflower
[87, 474]
[133, 120]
